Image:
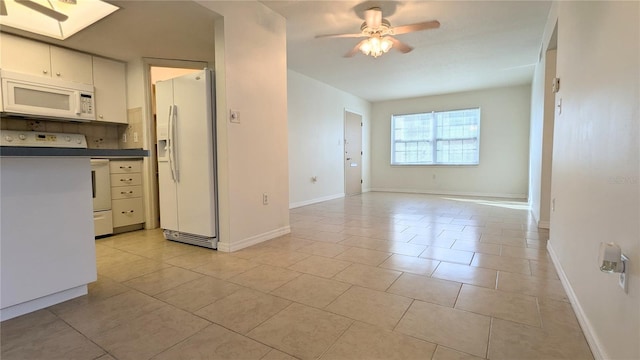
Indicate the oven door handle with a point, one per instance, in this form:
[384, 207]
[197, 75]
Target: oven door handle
[76, 94]
[93, 183]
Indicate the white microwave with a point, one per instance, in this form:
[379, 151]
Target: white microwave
[40, 97]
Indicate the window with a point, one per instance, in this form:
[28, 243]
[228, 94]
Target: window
[436, 138]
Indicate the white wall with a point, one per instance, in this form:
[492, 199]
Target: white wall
[596, 157]
[316, 134]
[541, 138]
[504, 146]
[251, 77]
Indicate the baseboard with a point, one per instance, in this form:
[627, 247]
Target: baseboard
[587, 329]
[545, 224]
[256, 239]
[452, 193]
[43, 302]
[314, 201]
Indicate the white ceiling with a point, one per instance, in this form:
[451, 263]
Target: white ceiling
[179, 29]
[480, 44]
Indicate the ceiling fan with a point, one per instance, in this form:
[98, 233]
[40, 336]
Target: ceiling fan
[378, 33]
[50, 12]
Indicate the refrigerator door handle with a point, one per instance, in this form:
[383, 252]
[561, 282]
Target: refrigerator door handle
[173, 156]
[170, 143]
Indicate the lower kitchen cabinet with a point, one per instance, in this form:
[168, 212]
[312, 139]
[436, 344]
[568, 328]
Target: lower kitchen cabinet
[127, 212]
[126, 195]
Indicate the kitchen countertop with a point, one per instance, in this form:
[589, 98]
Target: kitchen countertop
[94, 153]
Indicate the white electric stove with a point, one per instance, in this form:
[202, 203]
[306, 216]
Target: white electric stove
[42, 139]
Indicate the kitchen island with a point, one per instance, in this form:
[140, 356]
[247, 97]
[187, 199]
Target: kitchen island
[47, 248]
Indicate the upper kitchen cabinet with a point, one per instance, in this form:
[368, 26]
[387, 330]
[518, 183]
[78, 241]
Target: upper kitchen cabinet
[71, 65]
[109, 81]
[36, 58]
[24, 56]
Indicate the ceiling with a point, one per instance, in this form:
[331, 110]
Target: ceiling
[146, 28]
[480, 44]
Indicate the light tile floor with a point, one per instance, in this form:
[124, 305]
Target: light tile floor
[376, 276]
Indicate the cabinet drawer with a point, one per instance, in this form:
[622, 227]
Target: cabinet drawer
[102, 222]
[125, 167]
[125, 179]
[126, 192]
[127, 212]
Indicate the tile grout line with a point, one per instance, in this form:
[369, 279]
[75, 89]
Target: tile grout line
[403, 315]
[333, 344]
[486, 355]
[83, 335]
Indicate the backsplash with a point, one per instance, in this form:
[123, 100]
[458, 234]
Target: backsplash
[99, 136]
[130, 136]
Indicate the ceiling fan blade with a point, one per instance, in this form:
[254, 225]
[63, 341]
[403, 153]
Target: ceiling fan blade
[355, 49]
[416, 27]
[3, 8]
[58, 16]
[339, 36]
[399, 45]
[373, 17]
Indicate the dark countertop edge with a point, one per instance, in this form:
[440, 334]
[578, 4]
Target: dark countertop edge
[42, 151]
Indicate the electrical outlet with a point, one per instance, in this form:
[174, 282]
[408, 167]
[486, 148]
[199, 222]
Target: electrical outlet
[35, 125]
[559, 106]
[135, 136]
[265, 199]
[622, 282]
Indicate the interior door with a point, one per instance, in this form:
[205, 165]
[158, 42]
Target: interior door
[352, 153]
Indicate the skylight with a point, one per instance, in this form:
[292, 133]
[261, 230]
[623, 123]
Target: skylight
[58, 19]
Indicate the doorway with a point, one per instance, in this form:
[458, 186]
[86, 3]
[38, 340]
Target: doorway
[352, 153]
[156, 70]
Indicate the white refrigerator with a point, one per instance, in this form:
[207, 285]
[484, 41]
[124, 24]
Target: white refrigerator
[185, 108]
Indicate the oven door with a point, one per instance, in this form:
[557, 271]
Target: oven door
[101, 184]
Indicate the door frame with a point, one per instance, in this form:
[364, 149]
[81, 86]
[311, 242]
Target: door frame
[344, 144]
[150, 164]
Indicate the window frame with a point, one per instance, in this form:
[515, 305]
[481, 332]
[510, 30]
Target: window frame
[434, 139]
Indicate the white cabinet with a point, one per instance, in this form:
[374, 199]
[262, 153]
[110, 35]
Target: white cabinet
[126, 193]
[109, 81]
[24, 56]
[36, 58]
[70, 65]
[48, 251]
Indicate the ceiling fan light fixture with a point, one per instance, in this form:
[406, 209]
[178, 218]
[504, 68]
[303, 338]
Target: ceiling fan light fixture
[376, 46]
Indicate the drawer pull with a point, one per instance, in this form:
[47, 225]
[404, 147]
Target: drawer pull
[126, 192]
[125, 167]
[128, 212]
[126, 180]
